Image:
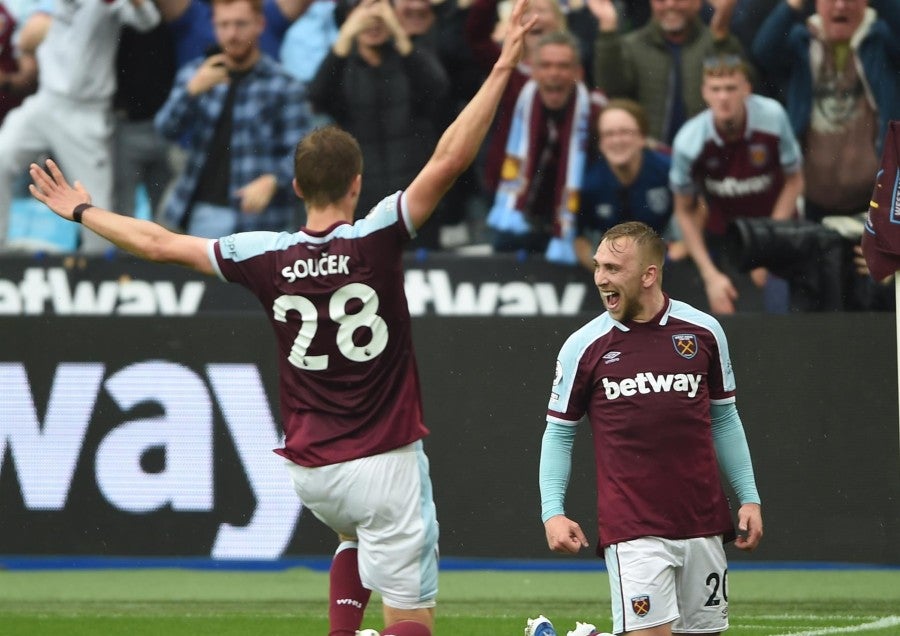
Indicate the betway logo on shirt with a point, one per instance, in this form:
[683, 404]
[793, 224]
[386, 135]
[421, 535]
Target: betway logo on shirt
[651, 383]
[732, 187]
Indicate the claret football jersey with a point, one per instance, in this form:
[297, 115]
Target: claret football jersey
[881, 238]
[646, 389]
[740, 178]
[349, 385]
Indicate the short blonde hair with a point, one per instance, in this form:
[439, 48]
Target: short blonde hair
[645, 238]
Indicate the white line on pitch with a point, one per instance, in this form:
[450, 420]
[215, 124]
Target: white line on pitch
[890, 621]
[813, 617]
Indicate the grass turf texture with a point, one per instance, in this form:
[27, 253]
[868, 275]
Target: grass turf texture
[472, 603]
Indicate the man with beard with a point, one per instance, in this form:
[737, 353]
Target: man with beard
[659, 65]
[241, 114]
[189, 22]
[654, 378]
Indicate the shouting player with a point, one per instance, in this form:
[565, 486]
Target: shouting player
[653, 375]
[350, 399]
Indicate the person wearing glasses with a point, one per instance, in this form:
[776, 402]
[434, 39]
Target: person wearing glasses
[628, 180]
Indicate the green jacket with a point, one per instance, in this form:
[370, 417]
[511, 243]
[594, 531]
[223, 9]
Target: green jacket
[637, 64]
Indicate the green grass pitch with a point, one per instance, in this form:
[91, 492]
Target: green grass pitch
[471, 603]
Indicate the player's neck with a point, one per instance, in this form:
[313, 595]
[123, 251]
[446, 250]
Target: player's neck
[320, 219]
[653, 304]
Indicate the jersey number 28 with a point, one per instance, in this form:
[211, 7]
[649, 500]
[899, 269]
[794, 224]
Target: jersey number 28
[366, 317]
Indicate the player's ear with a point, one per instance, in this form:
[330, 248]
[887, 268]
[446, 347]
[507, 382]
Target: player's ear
[297, 189]
[356, 186]
[650, 275]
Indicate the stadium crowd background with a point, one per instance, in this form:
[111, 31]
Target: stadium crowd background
[459, 34]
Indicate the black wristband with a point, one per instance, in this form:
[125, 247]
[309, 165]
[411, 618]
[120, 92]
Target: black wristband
[79, 210]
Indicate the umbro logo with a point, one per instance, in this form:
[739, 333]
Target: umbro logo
[611, 356]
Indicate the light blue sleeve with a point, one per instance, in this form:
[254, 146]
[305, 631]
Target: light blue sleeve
[791, 155]
[555, 468]
[732, 451]
[679, 172]
[686, 148]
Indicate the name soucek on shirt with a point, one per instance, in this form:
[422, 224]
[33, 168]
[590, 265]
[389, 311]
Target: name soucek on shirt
[646, 389]
[349, 384]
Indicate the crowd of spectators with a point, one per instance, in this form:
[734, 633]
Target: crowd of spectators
[794, 138]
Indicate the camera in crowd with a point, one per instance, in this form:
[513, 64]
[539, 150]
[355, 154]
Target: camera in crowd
[815, 258]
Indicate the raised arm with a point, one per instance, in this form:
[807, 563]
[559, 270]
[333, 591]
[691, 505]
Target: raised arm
[144, 239]
[459, 144]
[613, 73]
[771, 46]
[720, 24]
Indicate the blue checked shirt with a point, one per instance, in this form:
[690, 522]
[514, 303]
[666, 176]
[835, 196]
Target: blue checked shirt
[271, 114]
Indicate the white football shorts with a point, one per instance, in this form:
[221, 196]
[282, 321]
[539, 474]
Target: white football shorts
[386, 502]
[654, 581]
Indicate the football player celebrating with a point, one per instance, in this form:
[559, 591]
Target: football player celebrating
[654, 377]
[333, 291]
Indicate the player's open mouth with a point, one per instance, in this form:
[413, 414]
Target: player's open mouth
[611, 299]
